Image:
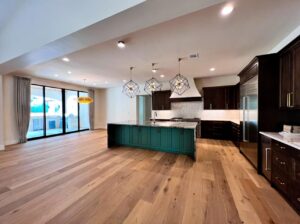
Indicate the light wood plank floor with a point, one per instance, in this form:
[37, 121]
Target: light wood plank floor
[76, 179]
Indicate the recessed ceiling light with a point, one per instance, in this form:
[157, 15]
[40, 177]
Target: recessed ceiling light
[65, 59]
[154, 70]
[212, 69]
[162, 75]
[56, 75]
[124, 80]
[121, 44]
[69, 72]
[226, 10]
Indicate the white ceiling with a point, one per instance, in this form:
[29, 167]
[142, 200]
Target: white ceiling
[228, 44]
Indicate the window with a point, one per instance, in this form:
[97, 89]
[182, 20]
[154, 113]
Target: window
[56, 111]
[36, 124]
[71, 113]
[84, 114]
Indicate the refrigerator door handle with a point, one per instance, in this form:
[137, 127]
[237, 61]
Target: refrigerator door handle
[244, 117]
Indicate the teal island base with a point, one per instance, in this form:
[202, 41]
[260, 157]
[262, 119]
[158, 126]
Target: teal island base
[164, 137]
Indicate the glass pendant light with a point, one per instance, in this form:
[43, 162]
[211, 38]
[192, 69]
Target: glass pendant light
[179, 84]
[85, 99]
[131, 88]
[152, 84]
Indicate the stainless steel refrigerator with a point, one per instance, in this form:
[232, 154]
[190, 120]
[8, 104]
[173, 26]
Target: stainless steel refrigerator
[249, 119]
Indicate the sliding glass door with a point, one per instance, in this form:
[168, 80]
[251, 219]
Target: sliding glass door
[71, 113]
[36, 125]
[56, 111]
[84, 114]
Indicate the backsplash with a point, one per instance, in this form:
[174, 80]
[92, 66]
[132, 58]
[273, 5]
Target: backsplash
[195, 110]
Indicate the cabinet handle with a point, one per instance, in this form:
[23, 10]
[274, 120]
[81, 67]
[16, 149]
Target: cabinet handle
[282, 147]
[292, 104]
[288, 100]
[210, 106]
[267, 164]
[226, 105]
[282, 163]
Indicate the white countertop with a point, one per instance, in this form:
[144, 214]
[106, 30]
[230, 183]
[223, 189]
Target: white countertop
[283, 138]
[168, 124]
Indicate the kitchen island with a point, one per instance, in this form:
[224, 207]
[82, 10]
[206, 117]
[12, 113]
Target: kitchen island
[172, 137]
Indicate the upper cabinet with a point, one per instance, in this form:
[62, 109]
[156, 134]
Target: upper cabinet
[290, 76]
[161, 100]
[221, 97]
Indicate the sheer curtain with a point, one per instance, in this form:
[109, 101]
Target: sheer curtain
[22, 105]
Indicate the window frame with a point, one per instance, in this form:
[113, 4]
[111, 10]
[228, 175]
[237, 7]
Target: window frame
[63, 90]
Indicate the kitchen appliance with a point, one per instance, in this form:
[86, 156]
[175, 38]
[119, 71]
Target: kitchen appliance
[249, 119]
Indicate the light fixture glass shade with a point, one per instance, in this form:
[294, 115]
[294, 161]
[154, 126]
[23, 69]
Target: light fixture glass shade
[131, 89]
[152, 85]
[85, 100]
[179, 84]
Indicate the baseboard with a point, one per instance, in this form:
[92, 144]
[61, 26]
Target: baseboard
[11, 142]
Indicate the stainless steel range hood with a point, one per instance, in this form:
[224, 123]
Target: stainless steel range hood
[192, 94]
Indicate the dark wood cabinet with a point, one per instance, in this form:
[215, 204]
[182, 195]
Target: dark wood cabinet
[221, 97]
[290, 76]
[285, 174]
[266, 156]
[235, 134]
[161, 100]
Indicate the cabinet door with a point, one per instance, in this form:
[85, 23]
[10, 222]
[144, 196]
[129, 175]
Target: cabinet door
[296, 77]
[166, 98]
[135, 135]
[189, 141]
[285, 78]
[266, 156]
[214, 98]
[155, 137]
[166, 138]
[144, 136]
[177, 139]
[126, 135]
[230, 98]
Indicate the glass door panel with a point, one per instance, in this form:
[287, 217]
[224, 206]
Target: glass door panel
[84, 114]
[36, 124]
[54, 112]
[71, 114]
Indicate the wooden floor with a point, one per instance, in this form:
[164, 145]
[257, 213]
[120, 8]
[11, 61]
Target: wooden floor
[76, 179]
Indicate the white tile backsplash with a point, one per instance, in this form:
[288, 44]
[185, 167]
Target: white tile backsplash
[195, 110]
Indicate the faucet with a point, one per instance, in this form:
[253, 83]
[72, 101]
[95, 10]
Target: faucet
[155, 115]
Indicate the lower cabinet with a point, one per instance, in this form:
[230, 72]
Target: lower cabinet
[285, 174]
[174, 140]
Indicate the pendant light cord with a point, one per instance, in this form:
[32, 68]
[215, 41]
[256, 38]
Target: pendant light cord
[179, 60]
[131, 68]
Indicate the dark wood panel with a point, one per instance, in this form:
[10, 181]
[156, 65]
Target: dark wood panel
[161, 100]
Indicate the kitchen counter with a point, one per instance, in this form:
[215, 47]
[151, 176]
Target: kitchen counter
[168, 124]
[295, 143]
[172, 137]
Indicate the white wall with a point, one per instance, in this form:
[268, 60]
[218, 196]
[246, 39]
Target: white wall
[1, 115]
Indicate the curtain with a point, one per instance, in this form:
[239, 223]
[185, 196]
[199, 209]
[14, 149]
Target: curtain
[22, 106]
[91, 94]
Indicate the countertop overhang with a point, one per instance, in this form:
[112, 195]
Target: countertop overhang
[166, 124]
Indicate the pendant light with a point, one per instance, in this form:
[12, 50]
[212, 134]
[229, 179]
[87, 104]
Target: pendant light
[179, 84]
[131, 88]
[152, 84]
[85, 99]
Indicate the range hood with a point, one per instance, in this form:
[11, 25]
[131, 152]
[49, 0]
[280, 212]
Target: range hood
[192, 94]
